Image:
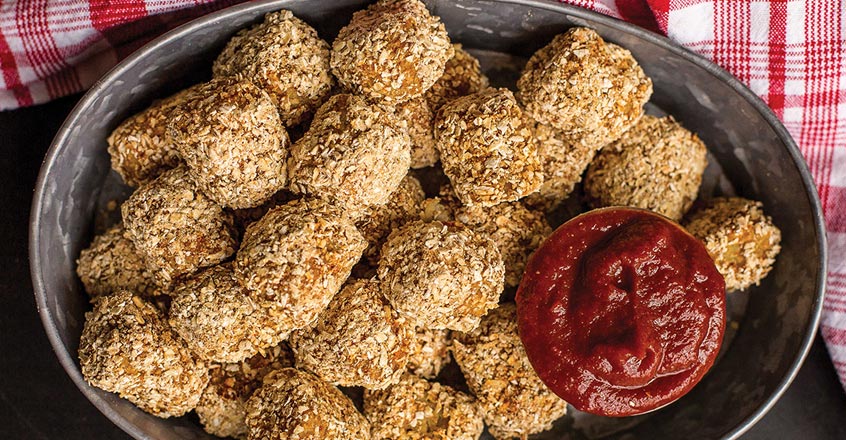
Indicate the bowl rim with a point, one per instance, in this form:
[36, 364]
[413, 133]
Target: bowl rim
[67, 360]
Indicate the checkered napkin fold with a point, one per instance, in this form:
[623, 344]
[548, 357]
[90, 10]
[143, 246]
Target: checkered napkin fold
[792, 53]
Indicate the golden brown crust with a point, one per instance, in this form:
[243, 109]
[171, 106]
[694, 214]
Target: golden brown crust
[127, 348]
[392, 51]
[514, 401]
[176, 228]
[296, 405]
[111, 263]
[462, 76]
[377, 222]
[229, 134]
[359, 340]
[286, 58]
[441, 275]
[656, 165]
[429, 352]
[742, 240]
[419, 120]
[416, 409]
[591, 90]
[487, 148]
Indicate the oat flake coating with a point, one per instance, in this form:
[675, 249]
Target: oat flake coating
[140, 148]
[487, 148]
[295, 259]
[222, 408]
[462, 76]
[377, 222]
[441, 275]
[657, 165]
[359, 340]
[419, 121]
[218, 320]
[230, 135]
[514, 401]
[416, 409]
[354, 154]
[392, 51]
[429, 352]
[297, 405]
[284, 56]
[591, 90]
[176, 228]
[516, 230]
[563, 165]
[742, 240]
[127, 348]
[111, 262]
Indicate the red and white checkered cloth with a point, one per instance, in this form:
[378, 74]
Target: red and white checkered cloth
[792, 53]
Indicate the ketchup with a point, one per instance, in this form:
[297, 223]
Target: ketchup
[621, 311]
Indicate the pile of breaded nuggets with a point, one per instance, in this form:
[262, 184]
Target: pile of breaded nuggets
[227, 287]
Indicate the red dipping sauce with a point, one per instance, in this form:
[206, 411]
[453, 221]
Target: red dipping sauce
[621, 311]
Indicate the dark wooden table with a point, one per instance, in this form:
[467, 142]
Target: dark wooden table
[38, 401]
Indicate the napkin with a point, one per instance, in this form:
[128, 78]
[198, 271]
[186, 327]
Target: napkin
[792, 53]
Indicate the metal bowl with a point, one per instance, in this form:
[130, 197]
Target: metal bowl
[752, 148]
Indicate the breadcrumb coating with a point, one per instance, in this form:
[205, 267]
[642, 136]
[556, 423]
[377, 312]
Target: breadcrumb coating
[487, 148]
[563, 164]
[742, 240]
[392, 51]
[127, 348]
[230, 135]
[354, 154]
[514, 401]
[111, 262]
[441, 275]
[297, 405]
[295, 259]
[247, 216]
[516, 230]
[218, 320]
[377, 222]
[419, 121]
[657, 165]
[222, 408]
[286, 58]
[591, 90]
[359, 340]
[140, 148]
[175, 227]
[429, 352]
[416, 409]
[462, 76]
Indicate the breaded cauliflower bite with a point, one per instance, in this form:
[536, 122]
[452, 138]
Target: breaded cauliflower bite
[429, 352]
[286, 58]
[462, 76]
[591, 90]
[111, 262]
[354, 154]
[359, 340]
[295, 259]
[218, 320]
[441, 275]
[513, 399]
[419, 121]
[175, 227]
[657, 165]
[297, 405]
[127, 348]
[742, 240]
[222, 408]
[516, 230]
[140, 147]
[229, 133]
[563, 164]
[487, 148]
[377, 222]
[392, 51]
[416, 409]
